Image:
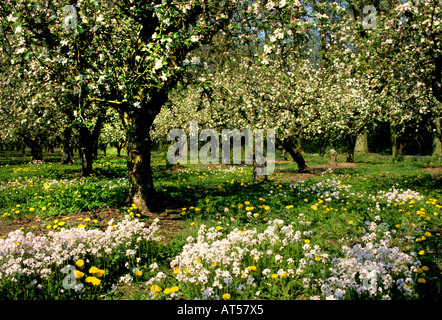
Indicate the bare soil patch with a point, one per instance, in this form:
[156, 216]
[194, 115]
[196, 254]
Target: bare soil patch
[313, 171]
[170, 224]
[436, 170]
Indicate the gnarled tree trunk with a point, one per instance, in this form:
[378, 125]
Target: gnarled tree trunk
[139, 146]
[291, 145]
[393, 138]
[119, 145]
[36, 146]
[66, 149]
[37, 151]
[349, 146]
[88, 145]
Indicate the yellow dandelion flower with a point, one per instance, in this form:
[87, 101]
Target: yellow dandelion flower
[226, 296]
[155, 288]
[167, 291]
[79, 263]
[93, 270]
[93, 280]
[78, 274]
[99, 273]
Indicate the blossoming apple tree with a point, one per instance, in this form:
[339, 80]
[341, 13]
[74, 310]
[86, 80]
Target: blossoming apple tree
[122, 54]
[398, 57]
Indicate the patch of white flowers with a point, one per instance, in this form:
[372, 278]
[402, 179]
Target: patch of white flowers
[329, 188]
[27, 254]
[371, 270]
[243, 260]
[394, 195]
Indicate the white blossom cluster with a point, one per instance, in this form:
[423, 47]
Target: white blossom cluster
[27, 254]
[329, 188]
[395, 195]
[372, 270]
[213, 262]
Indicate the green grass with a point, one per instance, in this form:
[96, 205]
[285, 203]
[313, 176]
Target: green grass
[335, 205]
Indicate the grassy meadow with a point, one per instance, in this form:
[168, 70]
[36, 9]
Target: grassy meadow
[368, 230]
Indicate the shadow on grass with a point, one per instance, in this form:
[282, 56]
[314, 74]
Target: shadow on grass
[178, 197]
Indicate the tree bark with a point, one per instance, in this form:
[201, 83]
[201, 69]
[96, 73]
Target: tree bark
[87, 158]
[393, 138]
[119, 145]
[89, 144]
[350, 143]
[291, 145]
[66, 149]
[37, 151]
[437, 144]
[36, 146]
[95, 150]
[139, 146]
